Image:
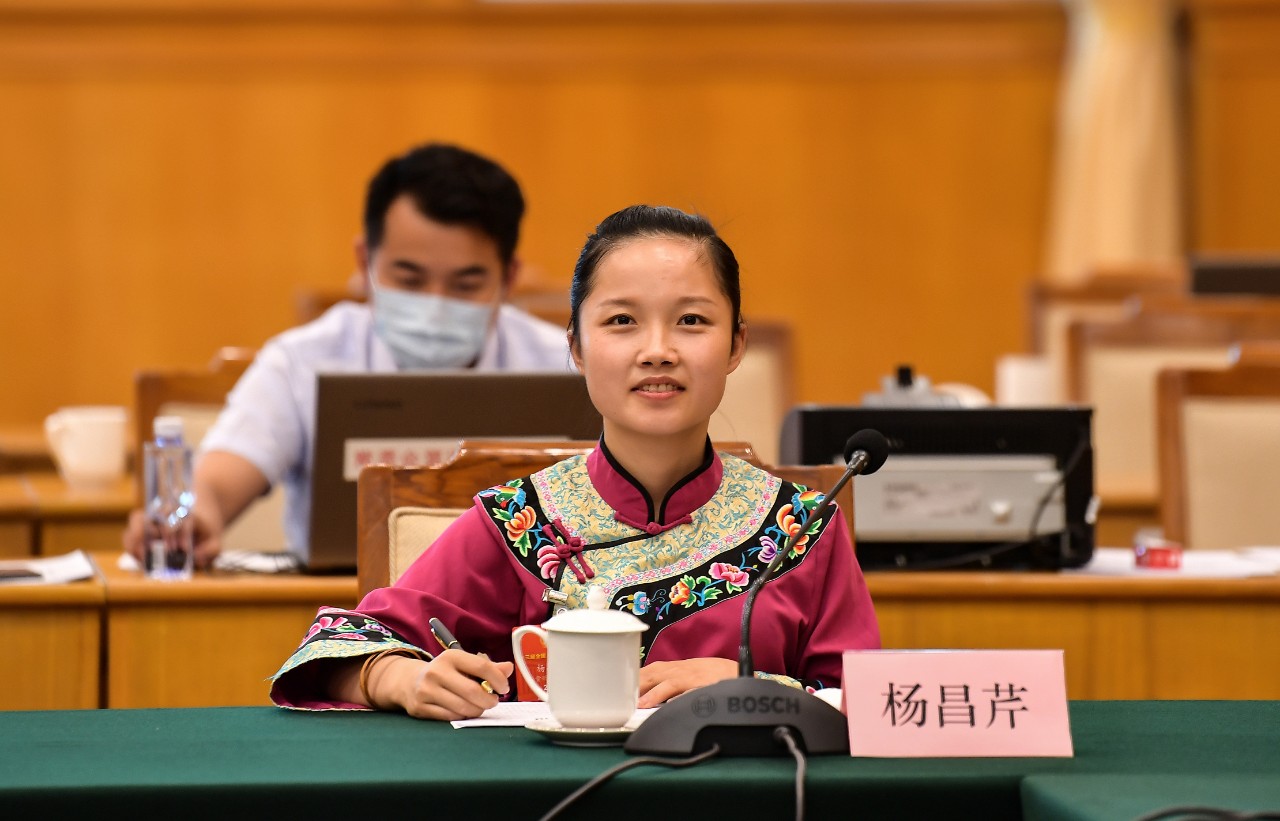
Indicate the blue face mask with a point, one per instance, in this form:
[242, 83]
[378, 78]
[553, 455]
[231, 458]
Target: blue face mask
[426, 332]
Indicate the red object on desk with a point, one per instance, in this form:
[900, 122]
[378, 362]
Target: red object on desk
[535, 655]
[1162, 555]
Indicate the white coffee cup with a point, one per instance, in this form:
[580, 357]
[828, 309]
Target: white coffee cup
[88, 444]
[593, 664]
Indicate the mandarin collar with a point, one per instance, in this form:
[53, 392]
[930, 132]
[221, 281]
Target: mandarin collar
[626, 496]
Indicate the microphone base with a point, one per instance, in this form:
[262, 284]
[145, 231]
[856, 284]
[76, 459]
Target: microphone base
[740, 715]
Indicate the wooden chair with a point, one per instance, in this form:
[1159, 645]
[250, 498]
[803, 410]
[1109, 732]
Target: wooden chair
[198, 396]
[759, 393]
[1106, 295]
[1113, 366]
[1256, 352]
[402, 510]
[160, 392]
[310, 303]
[1220, 455]
[1224, 307]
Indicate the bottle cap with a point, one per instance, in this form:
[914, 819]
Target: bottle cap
[168, 427]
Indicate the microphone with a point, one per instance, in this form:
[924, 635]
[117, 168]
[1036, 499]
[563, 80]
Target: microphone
[741, 714]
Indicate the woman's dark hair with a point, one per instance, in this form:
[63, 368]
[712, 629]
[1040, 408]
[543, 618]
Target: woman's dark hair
[645, 222]
[451, 185]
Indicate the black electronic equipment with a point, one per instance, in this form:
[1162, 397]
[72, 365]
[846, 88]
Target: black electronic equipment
[1235, 276]
[965, 487]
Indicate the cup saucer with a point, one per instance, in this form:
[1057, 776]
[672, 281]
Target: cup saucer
[579, 736]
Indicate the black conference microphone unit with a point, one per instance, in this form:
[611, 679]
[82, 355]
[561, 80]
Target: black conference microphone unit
[741, 714]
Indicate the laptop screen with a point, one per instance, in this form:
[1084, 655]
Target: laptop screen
[420, 418]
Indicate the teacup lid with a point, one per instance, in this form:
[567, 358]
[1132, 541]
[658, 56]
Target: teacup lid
[596, 618]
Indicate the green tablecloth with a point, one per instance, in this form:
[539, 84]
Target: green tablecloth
[265, 762]
[1125, 797]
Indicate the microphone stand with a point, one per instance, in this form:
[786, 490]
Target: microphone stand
[741, 714]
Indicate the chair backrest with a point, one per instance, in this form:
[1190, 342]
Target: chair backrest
[198, 396]
[388, 496]
[759, 393]
[1256, 352]
[1219, 450]
[402, 510]
[1113, 366]
[310, 303]
[1104, 297]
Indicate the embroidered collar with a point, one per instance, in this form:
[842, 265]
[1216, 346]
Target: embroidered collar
[631, 501]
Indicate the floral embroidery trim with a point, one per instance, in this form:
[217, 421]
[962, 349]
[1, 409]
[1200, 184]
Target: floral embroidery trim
[519, 521]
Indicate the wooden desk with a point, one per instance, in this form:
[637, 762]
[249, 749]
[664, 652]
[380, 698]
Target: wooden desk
[209, 642]
[52, 645]
[69, 519]
[1125, 638]
[17, 518]
[24, 448]
[41, 516]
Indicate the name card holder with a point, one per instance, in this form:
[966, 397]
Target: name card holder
[956, 703]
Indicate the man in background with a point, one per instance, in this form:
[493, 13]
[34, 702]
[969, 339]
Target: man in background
[441, 226]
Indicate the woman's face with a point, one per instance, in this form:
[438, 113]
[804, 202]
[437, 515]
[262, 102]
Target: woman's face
[657, 338]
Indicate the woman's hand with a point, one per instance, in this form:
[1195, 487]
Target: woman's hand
[663, 680]
[445, 689]
[206, 537]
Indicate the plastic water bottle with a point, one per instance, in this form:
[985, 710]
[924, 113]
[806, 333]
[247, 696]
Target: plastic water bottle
[170, 529]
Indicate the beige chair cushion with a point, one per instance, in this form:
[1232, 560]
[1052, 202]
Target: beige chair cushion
[261, 527]
[1232, 451]
[410, 531]
[1120, 383]
[1055, 321]
[755, 402]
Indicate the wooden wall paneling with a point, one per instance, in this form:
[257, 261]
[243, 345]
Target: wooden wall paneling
[179, 174]
[1233, 81]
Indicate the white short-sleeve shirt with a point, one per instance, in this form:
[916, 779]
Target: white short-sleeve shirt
[270, 417]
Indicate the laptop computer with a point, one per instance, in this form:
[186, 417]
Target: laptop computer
[417, 419]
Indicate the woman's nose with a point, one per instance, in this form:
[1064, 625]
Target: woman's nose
[658, 348]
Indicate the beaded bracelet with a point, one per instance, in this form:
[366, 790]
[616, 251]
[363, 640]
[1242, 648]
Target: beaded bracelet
[367, 667]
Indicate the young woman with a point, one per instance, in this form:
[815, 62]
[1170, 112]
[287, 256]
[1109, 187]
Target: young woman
[672, 531]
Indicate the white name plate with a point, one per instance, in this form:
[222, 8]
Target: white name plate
[956, 703]
[357, 453]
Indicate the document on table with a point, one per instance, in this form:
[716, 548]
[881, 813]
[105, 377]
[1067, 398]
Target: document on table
[69, 567]
[520, 713]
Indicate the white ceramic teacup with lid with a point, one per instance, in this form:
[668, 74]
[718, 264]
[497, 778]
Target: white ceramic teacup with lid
[593, 664]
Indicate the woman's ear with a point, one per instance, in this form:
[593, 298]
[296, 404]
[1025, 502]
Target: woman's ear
[575, 350]
[739, 346]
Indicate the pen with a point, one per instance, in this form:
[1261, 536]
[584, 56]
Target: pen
[448, 642]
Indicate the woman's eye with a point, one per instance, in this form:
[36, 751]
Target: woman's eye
[620, 319]
[692, 319]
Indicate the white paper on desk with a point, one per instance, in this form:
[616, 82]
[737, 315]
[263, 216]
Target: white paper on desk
[520, 713]
[234, 561]
[1268, 556]
[256, 561]
[68, 567]
[1196, 564]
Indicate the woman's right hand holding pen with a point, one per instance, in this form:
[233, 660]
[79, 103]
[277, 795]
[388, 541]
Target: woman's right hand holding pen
[445, 689]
